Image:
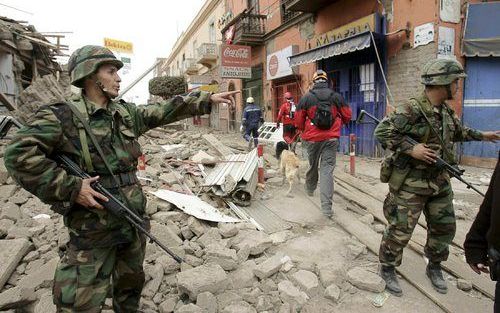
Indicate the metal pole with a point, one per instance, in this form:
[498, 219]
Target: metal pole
[138, 79]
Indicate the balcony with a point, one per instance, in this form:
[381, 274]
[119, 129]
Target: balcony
[190, 66]
[207, 54]
[249, 29]
[310, 6]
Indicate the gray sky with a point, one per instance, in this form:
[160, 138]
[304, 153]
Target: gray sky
[152, 26]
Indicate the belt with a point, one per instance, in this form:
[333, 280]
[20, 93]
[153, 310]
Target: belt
[424, 173]
[124, 179]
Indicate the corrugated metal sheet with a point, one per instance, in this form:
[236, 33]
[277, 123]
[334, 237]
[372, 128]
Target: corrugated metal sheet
[226, 176]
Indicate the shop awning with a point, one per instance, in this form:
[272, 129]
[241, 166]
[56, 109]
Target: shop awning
[336, 48]
[482, 30]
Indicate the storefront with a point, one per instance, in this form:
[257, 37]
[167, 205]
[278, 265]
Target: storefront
[349, 55]
[481, 46]
[282, 78]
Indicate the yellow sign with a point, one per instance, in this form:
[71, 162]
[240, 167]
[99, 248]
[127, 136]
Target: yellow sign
[361, 25]
[118, 45]
[210, 88]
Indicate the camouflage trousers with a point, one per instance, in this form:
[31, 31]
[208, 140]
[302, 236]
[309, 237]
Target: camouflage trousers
[84, 278]
[402, 210]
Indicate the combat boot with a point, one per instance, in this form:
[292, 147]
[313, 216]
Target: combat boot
[435, 274]
[388, 274]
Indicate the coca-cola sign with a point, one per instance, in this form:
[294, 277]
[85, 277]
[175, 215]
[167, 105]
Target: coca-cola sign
[236, 61]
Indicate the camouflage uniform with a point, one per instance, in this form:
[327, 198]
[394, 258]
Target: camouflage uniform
[101, 245]
[419, 187]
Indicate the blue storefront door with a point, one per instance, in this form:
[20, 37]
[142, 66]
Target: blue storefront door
[482, 103]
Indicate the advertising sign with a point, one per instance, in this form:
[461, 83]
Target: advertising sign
[236, 61]
[118, 45]
[277, 63]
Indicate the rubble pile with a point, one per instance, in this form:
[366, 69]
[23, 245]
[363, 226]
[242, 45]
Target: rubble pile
[228, 267]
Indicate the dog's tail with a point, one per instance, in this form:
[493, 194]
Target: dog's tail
[280, 146]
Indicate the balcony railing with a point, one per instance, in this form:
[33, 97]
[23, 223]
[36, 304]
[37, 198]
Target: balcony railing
[207, 54]
[190, 66]
[249, 29]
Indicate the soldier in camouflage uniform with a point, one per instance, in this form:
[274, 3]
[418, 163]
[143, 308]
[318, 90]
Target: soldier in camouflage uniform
[416, 185]
[105, 253]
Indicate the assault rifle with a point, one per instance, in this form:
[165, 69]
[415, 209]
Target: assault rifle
[453, 170]
[114, 205]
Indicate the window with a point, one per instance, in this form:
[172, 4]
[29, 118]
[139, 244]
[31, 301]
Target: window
[285, 14]
[211, 32]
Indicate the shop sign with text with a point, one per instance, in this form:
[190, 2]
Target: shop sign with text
[364, 24]
[236, 61]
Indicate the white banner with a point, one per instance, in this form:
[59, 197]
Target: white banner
[446, 43]
[424, 34]
[450, 11]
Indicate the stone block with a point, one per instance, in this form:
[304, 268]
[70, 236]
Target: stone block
[307, 281]
[256, 240]
[41, 277]
[289, 293]
[239, 307]
[243, 277]
[332, 292]
[11, 253]
[16, 297]
[207, 301]
[225, 257]
[269, 266]
[365, 280]
[228, 230]
[209, 277]
[197, 227]
[331, 273]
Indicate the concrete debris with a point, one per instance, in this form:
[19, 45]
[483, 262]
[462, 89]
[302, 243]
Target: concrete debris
[307, 281]
[255, 240]
[365, 280]
[464, 285]
[11, 252]
[270, 266]
[332, 292]
[331, 273]
[208, 277]
[239, 307]
[16, 297]
[42, 277]
[207, 301]
[290, 294]
[203, 158]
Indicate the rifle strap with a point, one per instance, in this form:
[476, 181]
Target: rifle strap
[80, 117]
[445, 149]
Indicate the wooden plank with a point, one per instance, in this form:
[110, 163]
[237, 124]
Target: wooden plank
[412, 268]
[217, 145]
[10, 105]
[454, 264]
[379, 194]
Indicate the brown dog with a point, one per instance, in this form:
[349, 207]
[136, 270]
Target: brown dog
[289, 165]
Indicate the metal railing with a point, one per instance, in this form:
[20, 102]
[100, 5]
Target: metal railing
[207, 49]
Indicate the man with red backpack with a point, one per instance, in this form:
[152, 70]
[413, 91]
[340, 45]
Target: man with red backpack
[321, 112]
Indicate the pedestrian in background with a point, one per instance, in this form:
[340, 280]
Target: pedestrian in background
[482, 243]
[251, 121]
[321, 112]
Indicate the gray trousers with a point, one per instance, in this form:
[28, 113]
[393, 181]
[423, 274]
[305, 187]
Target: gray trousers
[322, 154]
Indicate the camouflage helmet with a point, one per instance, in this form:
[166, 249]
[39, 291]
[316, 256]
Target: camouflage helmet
[86, 61]
[441, 72]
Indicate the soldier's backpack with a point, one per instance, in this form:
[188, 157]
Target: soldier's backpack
[323, 117]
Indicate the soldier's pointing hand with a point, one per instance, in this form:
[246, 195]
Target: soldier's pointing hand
[491, 136]
[224, 97]
[88, 197]
[423, 153]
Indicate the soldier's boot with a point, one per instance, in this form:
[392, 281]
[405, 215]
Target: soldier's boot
[388, 274]
[435, 274]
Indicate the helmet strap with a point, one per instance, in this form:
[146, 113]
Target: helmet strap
[448, 92]
[103, 89]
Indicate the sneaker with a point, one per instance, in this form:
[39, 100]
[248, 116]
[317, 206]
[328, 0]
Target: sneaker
[388, 274]
[435, 274]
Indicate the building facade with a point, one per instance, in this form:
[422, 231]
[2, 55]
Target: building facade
[372, 50]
